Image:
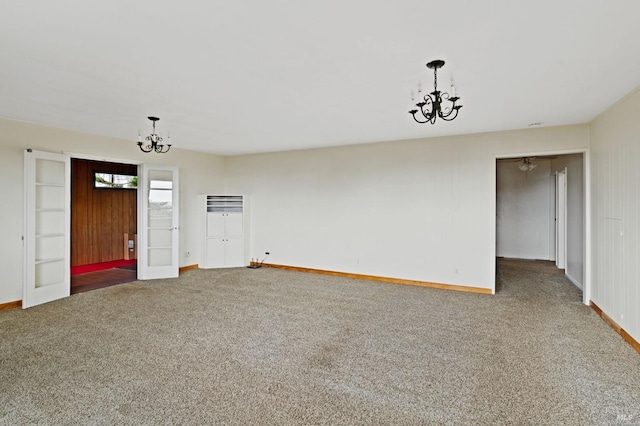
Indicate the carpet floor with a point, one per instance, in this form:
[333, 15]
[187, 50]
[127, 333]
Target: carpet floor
[266, 346]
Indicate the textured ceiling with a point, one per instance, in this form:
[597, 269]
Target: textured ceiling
[253, 76]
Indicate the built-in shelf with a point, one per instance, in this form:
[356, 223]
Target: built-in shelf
[223, 231]
[54, 185]
[224, 203]
[49, 235]
[52, 260]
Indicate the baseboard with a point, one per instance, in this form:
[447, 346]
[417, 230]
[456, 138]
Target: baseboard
[381, 279]
[187, 268]
[10, 305]
[626, 336]
[573, 280]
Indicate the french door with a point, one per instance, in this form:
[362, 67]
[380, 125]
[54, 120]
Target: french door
[47, 206]
[158, 235]
[47, 225]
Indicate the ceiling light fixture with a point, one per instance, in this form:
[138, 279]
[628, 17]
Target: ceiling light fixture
[154, 142]
[430, 105]
[526, 165]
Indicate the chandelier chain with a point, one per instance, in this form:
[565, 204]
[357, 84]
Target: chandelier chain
[435, 79]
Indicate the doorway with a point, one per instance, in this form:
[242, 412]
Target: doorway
[47, 223]
[541, 212]
[103, 224]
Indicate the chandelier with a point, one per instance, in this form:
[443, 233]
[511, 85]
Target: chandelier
[527, 165]
[430, 105]
[153, 141]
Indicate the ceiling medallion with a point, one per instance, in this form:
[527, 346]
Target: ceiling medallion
[153, 141]
[430, 105]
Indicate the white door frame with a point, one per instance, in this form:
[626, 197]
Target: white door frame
[552, 217]
[561, 219]
[586, 158]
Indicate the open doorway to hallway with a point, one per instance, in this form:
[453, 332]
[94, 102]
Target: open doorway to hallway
[103, 224]
[527, 214]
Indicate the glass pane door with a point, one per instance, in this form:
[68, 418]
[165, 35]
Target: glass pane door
[159, 240]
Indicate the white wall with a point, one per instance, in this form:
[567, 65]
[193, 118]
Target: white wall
[523, 210]
[575, 215]
[420, 209]
[199, 173]
[615, 155]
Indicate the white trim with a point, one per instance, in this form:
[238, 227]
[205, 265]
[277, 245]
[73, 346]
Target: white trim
[586, 293]
[542, 153]
[100, 158]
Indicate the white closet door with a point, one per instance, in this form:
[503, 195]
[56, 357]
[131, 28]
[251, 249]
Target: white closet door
[158, 241]
[234, 252]
[215, 248]
[47, 227]
[233, 224]
[215, 224]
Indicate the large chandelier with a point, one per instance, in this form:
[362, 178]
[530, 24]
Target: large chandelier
[430, 105]
[153, 141]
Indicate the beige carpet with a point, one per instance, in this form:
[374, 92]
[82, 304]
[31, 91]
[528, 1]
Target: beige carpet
[274, 347]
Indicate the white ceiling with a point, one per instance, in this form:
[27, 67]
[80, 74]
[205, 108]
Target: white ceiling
[236, 77]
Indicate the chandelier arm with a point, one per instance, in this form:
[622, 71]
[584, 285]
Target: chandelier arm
[160, 149]
[145, 148]
[448, 116]
[413, 114]
[153, 138]
[430, 102]
[450, 110]
[445, 112]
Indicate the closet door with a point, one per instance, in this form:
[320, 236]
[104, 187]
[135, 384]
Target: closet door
[47, 227]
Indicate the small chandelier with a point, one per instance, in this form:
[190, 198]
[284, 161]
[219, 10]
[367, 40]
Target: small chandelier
[430, 105]
[154, 142]
[527, 165]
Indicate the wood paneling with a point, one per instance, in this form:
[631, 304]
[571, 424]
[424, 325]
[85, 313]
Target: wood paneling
[100, 216]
